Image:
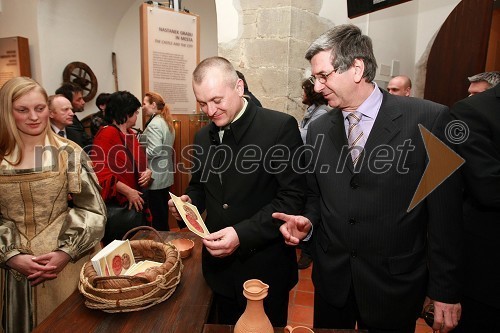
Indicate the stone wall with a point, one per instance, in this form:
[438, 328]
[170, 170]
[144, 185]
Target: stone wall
[270, 48]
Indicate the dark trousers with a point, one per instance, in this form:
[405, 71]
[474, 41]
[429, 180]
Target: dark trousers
[158, 205]
[227, 311]
[346, 317]
[477, 317]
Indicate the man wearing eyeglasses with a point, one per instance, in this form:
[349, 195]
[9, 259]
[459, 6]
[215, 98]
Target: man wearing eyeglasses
[375, 261]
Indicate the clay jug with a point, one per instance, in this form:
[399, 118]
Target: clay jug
[254, 319]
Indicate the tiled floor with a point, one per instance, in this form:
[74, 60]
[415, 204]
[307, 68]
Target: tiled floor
[300, 308]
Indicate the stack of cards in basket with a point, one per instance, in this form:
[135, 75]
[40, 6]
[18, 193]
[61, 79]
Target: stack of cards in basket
[114, 259]
[190, 216]
[141, 267]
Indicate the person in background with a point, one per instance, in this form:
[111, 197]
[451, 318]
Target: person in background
[483, 81]
[61, 114]
[76, 131]
[374, 259]
[481, 209]
[399, 85]
[119, 161]
[97, 120]
[317, 106]
[159, 136]
[43, 242]
[237, 181]
[247, 92]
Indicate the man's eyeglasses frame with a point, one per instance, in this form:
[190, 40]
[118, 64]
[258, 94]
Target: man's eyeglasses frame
[321, 77]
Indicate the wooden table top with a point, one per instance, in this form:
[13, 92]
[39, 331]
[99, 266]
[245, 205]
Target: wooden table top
[185, 311]
[210, 328]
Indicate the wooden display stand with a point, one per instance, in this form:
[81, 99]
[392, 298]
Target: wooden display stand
[14, 58]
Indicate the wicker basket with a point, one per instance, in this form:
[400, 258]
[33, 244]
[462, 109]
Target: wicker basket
[134, 293]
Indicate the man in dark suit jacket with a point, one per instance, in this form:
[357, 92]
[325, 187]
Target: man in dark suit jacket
[75, 132]
[481, 150]
[374, 262]
[242, 172]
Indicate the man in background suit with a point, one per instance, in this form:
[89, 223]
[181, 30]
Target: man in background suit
[242, 173]
[75, 132]
[483, 81]
[481, 208]
[61, 114]
[374, 262]
[399, 85]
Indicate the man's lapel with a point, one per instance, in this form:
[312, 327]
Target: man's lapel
[384, 128]
[339, 140]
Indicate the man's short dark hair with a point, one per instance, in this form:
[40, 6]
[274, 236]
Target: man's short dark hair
[68, 89]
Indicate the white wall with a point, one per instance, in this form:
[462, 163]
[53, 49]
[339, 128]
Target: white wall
[401, 32]
[393, 32]
[10, 26]
[432, 15]
[62, 31]
[67, 35]
[126, 45]
[228, 27]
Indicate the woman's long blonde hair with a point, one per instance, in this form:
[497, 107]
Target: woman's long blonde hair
[11, 91]
[162, 107]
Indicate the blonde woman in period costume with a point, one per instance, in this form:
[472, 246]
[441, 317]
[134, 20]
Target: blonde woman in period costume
[39, 234]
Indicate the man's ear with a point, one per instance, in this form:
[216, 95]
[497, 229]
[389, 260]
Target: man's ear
[359, 69]
[240, 87]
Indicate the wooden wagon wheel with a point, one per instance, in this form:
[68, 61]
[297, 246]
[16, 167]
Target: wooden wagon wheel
[81, 75]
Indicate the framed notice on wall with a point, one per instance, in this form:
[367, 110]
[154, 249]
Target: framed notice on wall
[14, 58]
[169, 55]
[360, 7]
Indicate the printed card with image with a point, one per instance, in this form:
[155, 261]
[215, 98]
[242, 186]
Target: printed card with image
[120, 259]
[190, 216]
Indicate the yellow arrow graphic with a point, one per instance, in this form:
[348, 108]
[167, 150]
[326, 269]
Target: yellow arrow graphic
[443, 162]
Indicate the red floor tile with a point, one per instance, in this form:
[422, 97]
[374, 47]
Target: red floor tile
[304, 298]
[305, 285]
[301, 315]
[305, 274]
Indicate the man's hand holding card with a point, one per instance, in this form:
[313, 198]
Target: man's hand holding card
[190, 215]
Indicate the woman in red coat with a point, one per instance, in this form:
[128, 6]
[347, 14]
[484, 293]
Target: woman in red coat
[119, 161]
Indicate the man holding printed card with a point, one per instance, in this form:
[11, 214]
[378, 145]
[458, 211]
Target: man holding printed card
[242, 173]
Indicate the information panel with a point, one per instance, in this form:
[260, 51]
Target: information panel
[14, 58]
[169, 53]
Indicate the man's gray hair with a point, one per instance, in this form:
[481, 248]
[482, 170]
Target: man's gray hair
[346, 43]
[493, 78]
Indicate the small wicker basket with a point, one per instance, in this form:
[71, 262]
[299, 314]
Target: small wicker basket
[134, 293]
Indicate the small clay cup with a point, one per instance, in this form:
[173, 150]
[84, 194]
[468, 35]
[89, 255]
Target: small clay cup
[184, 246]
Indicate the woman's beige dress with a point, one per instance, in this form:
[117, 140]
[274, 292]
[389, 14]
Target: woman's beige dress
[35, 219]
